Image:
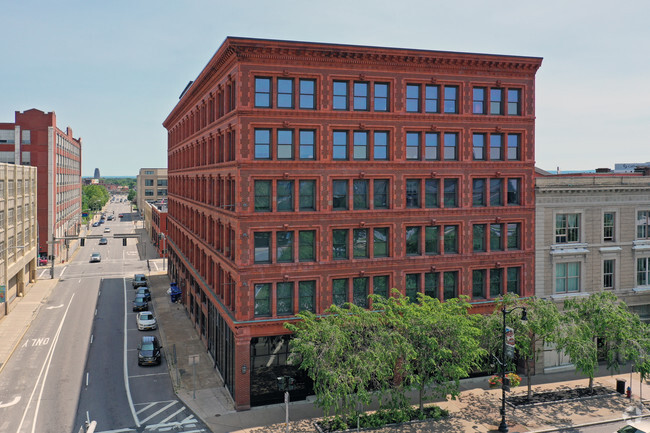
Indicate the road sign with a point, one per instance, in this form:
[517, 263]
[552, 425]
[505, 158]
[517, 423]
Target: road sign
[194, 360]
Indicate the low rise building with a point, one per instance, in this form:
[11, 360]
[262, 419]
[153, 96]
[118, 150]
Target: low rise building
[151, 186]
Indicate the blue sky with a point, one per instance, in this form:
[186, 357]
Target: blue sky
[113, 70]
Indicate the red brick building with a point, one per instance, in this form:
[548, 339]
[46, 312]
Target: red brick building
[304, 174]
[34, 139]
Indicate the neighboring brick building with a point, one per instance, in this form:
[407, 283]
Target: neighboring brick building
[34, 139]
[304, 174]
[592, 234]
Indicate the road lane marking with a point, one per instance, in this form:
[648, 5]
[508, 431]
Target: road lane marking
[52, 308]
[61, 274]
[11, 403]
[172, 415]
[145, 408]
[147, 375]
[126, 367]
[87, 377]
[46, 363]
[159, 411]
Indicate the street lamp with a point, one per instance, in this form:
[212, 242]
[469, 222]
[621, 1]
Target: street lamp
[503, 427]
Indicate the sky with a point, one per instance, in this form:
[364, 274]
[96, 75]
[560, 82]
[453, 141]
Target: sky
[113, 70]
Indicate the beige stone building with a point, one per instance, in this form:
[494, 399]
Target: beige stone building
[18, 232]
[592, 233]
[151, 186]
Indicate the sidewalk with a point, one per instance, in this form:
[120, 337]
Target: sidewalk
[477, 409]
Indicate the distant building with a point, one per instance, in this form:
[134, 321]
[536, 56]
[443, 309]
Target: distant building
[151, 186]
[304, 175]
[629, 167]
[96, 176]
[18, 232]
[35, 139]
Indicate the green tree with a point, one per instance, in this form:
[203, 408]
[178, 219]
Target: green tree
[94, 197]
[599, 319]
[131, 195]
[443, 339]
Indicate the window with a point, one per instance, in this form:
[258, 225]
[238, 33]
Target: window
[262, 247]
[285, 196]
[307, 144]
[285, 93]
[360, 292]
[380, 242]
[513, 282]
[496, 278]
[412, 98]
[339, 194]
[284, 298]
[479, 194]
[478, 146]
[285, 144]
[340, 145]
[514, 186]
[496, 243]
[567, 228]
[478, 237]
[262, 144]
[339, 244]
[608, 274]
[567, 277]
[432, 240]
[307, 94]
[496, 101]
[148, 182]
[360, 145]
[306, 246]
[451, 99]
[478, 283]
[478, 103]
[412, 286]
[262, 196]
[380, 147]
[413, 193]
[263, 92]
[360, 243]
[380, 190]
[412, 145]
[514, 236]
[307, 296]
[284, 247]
[450, 285]
[513, 147]
[514, 102]
[340, 291]
[340, 95]
[307, 195]
[382, 102]
[496, 192]
[431, 98]
[360, 194]
[380, 285]
[262, 300]
[451, 194]
[431, 284]
[496, 147]
[431, 193]
[451, 240]
[412, 241]
[608, 226]
[431, 152]
[643, 224]
[361, 98]
[643, 271]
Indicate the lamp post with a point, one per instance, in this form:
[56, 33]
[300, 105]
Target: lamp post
[503, 427]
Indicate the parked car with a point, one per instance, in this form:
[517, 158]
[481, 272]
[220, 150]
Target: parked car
[149, 351]
[107, 230]
[95, 257]
[42, 261]
[103, 241]
[96, 224]
[120, 216]
[139, 304]
[146, 321]
[637, 427]
[139, 280]
[110, 218]
[144, 292]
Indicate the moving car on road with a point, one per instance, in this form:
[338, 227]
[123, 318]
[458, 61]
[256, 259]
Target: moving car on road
[95, 258]
[146, 321]
[149, 351]
[103, 241]
[139, 280]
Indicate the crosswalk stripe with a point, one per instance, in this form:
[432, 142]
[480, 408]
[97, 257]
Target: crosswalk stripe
[145, 408]
[172, 415]
[158, 412]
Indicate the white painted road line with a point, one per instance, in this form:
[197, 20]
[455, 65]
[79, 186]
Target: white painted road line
[145, 408]
[126, 367]
[159, 411]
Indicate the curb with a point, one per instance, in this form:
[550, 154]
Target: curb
[587, 424]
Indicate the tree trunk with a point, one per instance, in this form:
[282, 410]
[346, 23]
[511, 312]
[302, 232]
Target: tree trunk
[421, 398]
[591, 384]
[530, 385]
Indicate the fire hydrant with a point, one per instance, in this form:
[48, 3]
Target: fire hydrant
[628, 393]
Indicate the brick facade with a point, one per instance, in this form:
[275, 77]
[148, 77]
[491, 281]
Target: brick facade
[284, 181]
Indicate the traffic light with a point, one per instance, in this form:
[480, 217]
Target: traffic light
[123, 242]
[82, 241]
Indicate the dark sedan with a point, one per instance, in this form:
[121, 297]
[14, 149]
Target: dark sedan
[149, 351]
[139, 304]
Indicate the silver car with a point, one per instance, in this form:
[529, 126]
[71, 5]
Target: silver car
[95, 257]
[146, 321]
